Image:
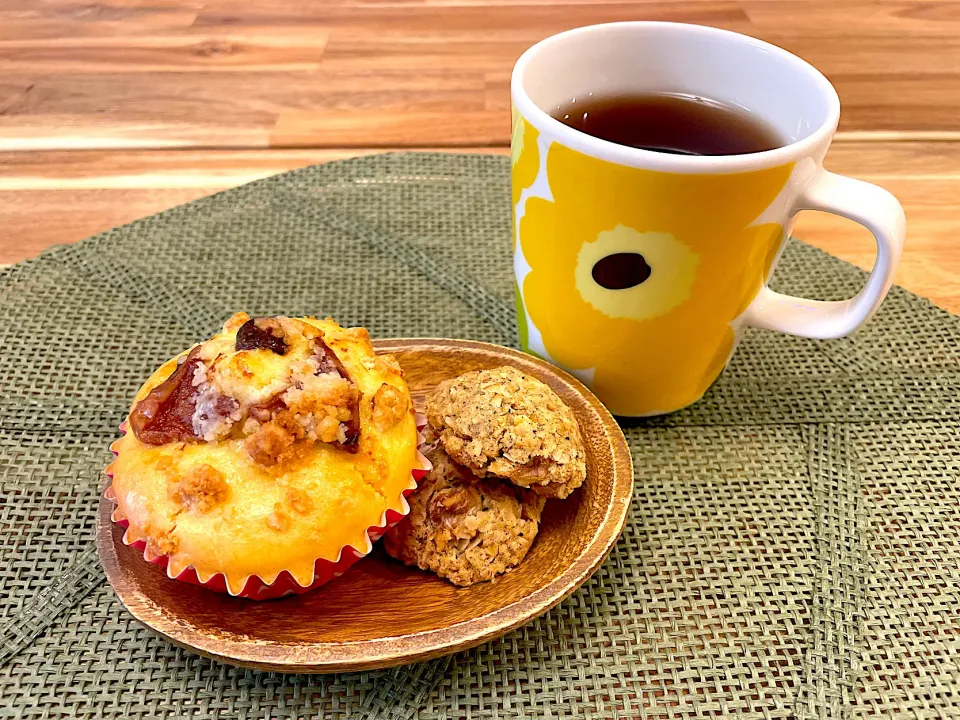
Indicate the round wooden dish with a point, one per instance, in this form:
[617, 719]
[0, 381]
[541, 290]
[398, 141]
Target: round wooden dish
[382, 613]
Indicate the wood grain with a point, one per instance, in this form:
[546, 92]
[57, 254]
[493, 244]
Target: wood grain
[304, 73]
[263, 52]
[381, 613]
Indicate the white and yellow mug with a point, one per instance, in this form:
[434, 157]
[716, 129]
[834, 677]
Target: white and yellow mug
[710, 229]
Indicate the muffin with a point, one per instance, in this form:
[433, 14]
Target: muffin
[501, 422]
[462, 527]
[268, 458]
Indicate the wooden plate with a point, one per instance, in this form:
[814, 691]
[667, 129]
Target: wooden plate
[380, 613]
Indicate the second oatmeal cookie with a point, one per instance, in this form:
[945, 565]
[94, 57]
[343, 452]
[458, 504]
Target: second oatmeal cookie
[464, 528]
[504, 423]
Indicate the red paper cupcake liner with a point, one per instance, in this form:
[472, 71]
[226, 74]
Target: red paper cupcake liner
[285, 584]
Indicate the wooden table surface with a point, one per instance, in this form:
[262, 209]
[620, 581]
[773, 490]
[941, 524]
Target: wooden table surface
[114, 109]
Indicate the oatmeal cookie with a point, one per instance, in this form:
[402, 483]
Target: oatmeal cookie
[501, 422]
[464, 528]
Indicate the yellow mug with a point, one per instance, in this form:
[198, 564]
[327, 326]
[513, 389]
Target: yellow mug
[707, 231]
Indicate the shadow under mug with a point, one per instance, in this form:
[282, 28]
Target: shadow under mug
[710, 229]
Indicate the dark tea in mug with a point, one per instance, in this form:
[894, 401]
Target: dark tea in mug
[670, 123]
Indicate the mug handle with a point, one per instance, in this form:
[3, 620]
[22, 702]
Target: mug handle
[879, 212]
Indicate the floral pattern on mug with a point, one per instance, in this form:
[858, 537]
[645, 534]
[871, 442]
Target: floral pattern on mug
[524, 157]
[707, 259]
[525, 165]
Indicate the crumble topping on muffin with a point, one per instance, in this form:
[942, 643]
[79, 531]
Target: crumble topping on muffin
[462, 527]
[389, 406]
[276, 384]
[501, 422]
[201, 489]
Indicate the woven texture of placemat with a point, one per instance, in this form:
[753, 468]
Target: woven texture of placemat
[793, 548]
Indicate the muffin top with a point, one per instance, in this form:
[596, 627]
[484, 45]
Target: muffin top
[276, 442]
[504, 423]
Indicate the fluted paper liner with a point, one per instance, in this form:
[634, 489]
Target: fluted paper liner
[255, 588]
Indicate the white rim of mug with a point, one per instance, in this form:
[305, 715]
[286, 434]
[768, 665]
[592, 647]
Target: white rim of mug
[651, 160]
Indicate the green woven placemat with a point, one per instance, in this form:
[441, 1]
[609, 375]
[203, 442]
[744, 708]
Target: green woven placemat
[793, 549]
